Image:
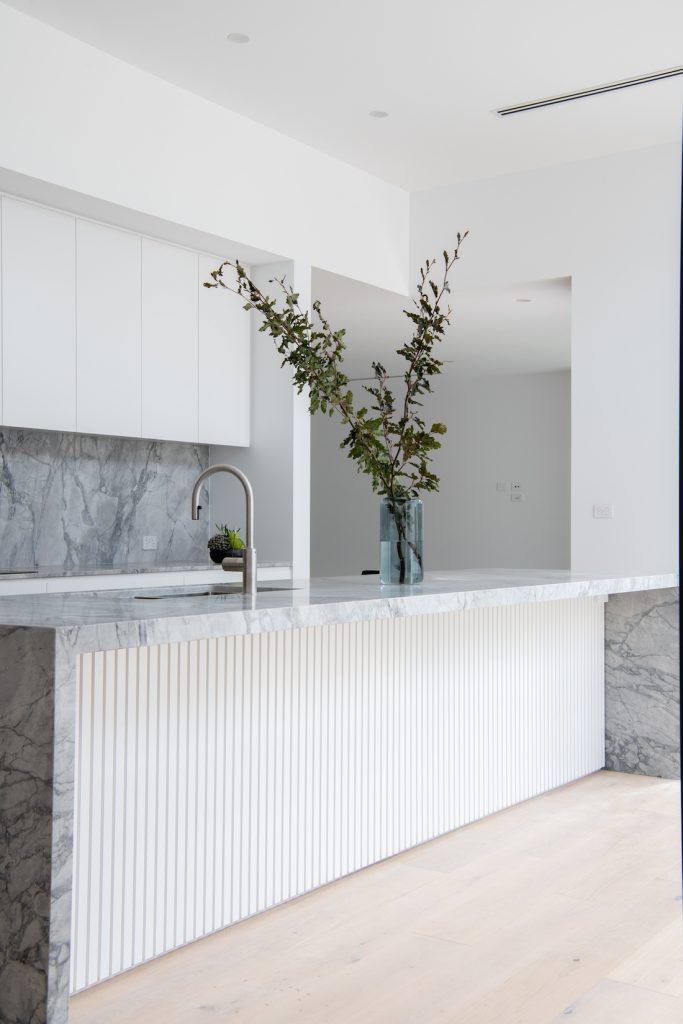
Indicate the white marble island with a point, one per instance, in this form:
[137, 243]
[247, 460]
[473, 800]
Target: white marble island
[172, 766]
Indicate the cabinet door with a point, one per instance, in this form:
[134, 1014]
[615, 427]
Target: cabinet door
[224, 370]
[169, 342]
[108, 311]
[39, 316]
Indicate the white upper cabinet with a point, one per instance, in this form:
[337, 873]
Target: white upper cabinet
[169, 342]
[104, 331]
[39, 317]
[108, 313]
[224, 372]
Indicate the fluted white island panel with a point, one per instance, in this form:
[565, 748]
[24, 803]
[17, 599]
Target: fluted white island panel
[217, 778]
[367, 718]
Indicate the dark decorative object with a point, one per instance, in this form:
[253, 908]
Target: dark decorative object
[227, 543]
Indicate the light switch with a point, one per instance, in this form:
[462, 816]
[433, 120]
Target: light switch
[603, 511]
[502, 485]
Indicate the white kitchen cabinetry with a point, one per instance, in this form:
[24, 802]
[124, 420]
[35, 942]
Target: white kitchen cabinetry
[38, 317]
[224, 370]
[108, 309]
[218, 777]
[170, 398]
[105, 331]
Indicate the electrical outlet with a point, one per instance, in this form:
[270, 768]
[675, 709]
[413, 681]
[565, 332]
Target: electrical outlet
[516, 496]
[603, 511]
[515, 487]
[149, 542]
[501, 485]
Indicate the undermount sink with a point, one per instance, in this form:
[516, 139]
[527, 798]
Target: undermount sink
[217, 591]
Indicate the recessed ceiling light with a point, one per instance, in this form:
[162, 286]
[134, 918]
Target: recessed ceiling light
[523, 300]
[379, 113]
[237, 37]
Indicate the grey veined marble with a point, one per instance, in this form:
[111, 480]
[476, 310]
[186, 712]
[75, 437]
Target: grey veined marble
[40, 640]
[105, 620]
[35, 901]
[80, 501]
[642, 681]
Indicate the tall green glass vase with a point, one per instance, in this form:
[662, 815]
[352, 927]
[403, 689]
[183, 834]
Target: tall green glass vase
[400, 540]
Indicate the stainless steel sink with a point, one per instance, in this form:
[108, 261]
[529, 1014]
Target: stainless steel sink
[217, 591]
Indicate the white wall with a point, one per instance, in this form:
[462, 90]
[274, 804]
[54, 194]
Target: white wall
[84, 127]
[613, 225]
[301, 445]
[83, 120]
[508, 428]
[277, 461]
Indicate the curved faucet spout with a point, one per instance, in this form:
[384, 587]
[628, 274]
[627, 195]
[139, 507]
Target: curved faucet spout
[247, 562]
[248, 494]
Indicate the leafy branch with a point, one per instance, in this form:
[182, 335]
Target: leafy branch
[391, 444]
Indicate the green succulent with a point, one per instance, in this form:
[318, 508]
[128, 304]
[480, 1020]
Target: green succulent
[226, 537]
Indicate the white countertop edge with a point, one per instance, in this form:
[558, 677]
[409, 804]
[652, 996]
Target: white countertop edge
[326, 610]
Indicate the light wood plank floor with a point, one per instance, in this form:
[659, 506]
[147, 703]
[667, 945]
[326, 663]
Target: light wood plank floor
[565, 907]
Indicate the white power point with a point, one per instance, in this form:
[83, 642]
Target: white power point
[516, 496]
[603, 511]
[515, 487]
[502, 485]
[149, 542]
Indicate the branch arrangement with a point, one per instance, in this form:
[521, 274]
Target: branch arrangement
[390, 440]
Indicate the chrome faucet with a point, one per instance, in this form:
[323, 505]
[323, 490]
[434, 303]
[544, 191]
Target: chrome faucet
[247, 563]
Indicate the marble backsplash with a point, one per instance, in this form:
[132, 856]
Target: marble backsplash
[642, 683]
[80, 501]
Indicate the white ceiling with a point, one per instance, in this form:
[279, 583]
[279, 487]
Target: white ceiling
[315, 68]
[490, 333]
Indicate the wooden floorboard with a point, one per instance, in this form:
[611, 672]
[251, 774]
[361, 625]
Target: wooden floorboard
[567, 907]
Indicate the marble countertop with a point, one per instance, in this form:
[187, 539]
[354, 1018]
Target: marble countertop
[111, 619]
[59, 572]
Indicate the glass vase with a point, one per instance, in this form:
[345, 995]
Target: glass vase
[400, 540]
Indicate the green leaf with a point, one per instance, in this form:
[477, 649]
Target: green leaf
[393, 445]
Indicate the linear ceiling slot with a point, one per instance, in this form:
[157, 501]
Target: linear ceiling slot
[596, 90]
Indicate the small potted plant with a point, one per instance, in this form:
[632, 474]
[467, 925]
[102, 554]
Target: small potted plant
[225, 543]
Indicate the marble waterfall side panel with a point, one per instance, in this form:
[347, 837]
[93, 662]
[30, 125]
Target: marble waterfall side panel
[642, 681]
[27, 692]
[63, 798]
